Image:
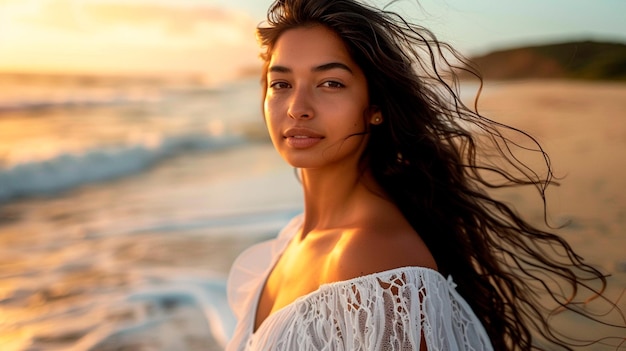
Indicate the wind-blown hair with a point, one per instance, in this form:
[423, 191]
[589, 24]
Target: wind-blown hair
[428, 156]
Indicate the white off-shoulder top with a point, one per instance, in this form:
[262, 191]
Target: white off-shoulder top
[390, 310]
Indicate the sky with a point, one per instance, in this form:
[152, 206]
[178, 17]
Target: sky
[215, 38]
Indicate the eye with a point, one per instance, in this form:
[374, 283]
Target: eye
[279, 85]
[332, 84]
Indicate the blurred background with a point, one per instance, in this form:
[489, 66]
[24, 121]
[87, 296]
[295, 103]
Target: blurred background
[134, 163]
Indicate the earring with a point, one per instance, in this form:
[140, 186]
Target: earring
[377, 120]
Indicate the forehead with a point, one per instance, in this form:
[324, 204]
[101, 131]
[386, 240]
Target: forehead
[309, 46]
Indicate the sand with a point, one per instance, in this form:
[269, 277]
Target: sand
[582, 126]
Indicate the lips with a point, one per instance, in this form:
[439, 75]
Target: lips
[302, 138]
[301, 132]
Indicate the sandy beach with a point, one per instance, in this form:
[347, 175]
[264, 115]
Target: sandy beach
[582, 127]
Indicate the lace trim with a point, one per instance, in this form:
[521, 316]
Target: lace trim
[391, 310]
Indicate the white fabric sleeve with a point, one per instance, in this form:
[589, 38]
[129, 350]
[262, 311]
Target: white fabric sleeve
[392, 310]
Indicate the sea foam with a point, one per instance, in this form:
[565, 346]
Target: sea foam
[68, 170]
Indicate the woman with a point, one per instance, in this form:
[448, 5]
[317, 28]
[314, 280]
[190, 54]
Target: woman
[399, 247]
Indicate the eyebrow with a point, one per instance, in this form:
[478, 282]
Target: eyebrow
[321, 68]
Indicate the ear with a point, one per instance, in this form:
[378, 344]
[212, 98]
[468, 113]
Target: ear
[376, 116]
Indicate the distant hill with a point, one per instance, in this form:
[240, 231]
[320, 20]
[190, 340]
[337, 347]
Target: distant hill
[573, 60]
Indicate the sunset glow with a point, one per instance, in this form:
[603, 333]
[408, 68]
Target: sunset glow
[119, 37]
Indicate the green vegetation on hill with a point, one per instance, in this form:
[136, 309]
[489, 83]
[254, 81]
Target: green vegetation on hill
[574, 60]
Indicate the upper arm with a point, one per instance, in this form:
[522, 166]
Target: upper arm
[361, 253]
[368, 251]
[392, 305]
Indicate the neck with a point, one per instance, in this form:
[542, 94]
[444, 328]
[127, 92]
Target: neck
[332, 197]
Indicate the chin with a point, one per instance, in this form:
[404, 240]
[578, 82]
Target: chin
[299, 162]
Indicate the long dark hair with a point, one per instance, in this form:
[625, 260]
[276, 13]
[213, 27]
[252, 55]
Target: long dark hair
[434, 157]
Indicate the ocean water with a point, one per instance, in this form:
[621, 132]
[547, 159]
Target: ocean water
[123, 203]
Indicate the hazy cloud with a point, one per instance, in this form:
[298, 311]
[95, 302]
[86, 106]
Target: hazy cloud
[172, 19]
[173, 34]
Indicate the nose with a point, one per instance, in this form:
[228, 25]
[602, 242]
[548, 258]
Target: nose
[300, 106]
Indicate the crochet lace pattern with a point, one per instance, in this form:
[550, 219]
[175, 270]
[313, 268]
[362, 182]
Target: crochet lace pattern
[390, 310]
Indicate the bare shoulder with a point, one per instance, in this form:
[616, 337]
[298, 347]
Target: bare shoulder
[378, 246]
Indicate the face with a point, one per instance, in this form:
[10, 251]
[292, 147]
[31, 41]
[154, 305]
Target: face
[316, 105]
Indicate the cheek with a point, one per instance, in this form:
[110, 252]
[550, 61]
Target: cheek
[265, 107]
[270, 117]
[357, 118]
[268, 110]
